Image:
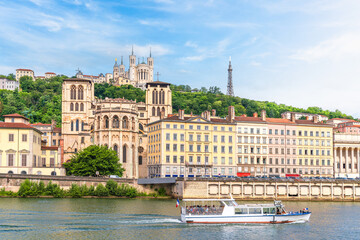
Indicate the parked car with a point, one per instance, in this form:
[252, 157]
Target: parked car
[114, 176]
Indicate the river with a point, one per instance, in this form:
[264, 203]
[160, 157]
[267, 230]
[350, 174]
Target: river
[35, 218]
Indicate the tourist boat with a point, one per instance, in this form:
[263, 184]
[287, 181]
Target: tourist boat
[228, 211]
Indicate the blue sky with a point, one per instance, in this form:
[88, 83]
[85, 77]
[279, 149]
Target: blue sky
[301, 53]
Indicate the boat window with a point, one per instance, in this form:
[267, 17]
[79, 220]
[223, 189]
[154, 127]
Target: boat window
[241, 211]
[269, 210]
[230, 203]
[254, 210]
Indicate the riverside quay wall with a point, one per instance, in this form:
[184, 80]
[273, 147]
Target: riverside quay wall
[329, 190]
[11, 182]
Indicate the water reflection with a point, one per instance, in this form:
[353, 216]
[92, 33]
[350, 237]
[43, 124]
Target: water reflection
[159, 219]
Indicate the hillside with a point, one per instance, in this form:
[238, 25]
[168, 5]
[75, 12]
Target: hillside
[40, 100]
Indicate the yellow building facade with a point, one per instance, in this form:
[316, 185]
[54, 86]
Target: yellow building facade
[20, 148]
[191, 146]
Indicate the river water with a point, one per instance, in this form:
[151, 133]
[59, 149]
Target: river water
[159, 219]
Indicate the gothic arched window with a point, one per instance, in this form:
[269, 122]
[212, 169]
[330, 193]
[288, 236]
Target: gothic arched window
[81, 107]
[72, 126]
[80, 93]
[153, 111]
[71, 107]
[82, 125]
[106, 122]
[163, 97]
[124, 154]
[77, 125]
[156, 97]
[125, 123]
[76, 107]
[116, 148]
[98, 123]
[133, 124]
[73, 92]
[115, 122]
[158, 111]
[153, 97]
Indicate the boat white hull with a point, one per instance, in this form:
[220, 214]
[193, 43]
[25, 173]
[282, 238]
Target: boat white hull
[286, 218]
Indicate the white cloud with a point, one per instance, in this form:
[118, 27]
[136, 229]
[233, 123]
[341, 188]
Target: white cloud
[334, 49]
[191, 44]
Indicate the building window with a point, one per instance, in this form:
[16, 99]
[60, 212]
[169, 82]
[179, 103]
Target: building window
[73, 92]
[71, 107]
[81, 107]
[23, 160]
[72, 126]
[43, 162]
[80, 93]
[11, 160]
[52, 162]
[124, 154]
[11, 137]
[24, 137]
[77, 125]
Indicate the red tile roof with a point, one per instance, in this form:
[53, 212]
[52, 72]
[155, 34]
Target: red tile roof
[17, 126]
[248, 119]
[349, 120]
[15, 115]
[40, 124]
[50, 73]
[24, 69]
[56, 129]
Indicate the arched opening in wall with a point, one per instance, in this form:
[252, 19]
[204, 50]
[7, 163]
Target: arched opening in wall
[75, 150]
[158, 112]
[53, 173]
[141, 128]
[115, 122]
[81, 107]
[163, 96]
[153, 97]
[38, 173]
[76, 107]
[160, 97]
[73, 92]
[124, 154]
[163, 110]
[106, 122]
[153, 111]
[125, 123]
[77, 125]
[156, 97]
[116, 148]
[98, 123]
[10, 172]
[23, 172]
[80, 93]
[82, 125]
[71, 107]
[133, 123]
[72, 126]
[140, 160]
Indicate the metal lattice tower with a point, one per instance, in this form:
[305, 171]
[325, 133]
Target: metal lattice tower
[230, 89]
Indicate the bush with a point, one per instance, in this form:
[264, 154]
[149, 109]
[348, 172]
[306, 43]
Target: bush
[126, 191]
[111, 185]
[75, 191]
[91, 191]
[161, 191]
[28, 188]
[3, 192]
[101, 191]
[54, 190]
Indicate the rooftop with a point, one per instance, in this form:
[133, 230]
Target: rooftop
[24, 69]
[17, 126]
[15, 115]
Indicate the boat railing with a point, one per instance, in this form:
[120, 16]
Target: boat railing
[204, 210]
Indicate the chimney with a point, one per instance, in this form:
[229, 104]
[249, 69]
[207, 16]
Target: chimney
[263, 115]
[231, 113]
[203, 115]
[293, 117]
[244, 115]
[207, 115]
[53, 123]
[316, 119]
[255, 114]
[213, 112]
[181, 114]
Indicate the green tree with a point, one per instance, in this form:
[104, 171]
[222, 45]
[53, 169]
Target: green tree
[92, 159]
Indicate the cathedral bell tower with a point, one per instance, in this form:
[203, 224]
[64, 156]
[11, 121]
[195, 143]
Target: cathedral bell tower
[132, 65]
[150, 63]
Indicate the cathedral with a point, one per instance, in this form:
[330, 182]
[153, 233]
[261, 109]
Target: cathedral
[119, 123]
[137, 75]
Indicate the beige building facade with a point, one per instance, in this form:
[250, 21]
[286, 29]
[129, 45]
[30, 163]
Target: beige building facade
[24, 72]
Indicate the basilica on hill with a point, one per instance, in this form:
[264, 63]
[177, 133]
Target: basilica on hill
[119, 123]
[137, 75]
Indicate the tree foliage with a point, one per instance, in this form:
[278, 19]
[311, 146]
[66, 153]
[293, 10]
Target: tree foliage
[92, 159]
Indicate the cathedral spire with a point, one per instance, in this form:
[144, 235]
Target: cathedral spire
[132, 50]
[150, 51]
[122, 62]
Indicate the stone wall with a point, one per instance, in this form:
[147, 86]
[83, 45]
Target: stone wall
[268, 190]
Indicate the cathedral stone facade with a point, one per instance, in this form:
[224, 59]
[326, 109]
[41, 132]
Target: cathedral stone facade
[119, 123]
